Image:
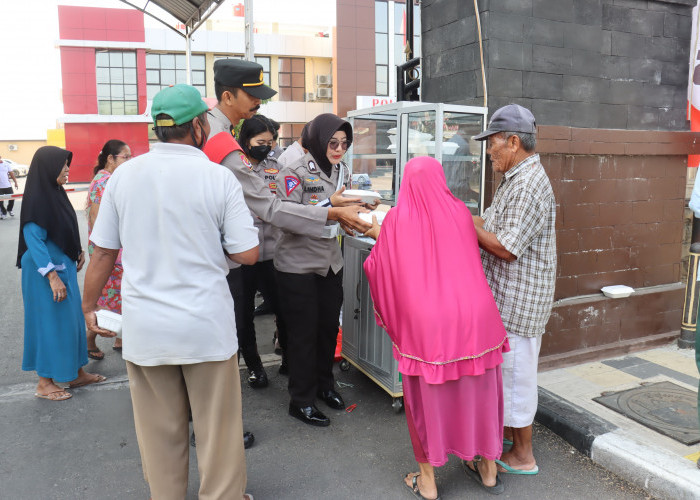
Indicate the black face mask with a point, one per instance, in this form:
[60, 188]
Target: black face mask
[259, 152]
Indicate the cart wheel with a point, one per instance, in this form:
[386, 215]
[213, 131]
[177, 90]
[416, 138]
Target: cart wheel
[345, 365]
[397, 405]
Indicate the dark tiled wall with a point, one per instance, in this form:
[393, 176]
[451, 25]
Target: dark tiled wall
[618, 64]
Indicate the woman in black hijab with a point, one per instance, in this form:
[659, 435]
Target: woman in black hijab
[309, 270]
[50, 255]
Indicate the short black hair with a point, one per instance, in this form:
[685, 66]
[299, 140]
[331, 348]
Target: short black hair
[175, 132]
[220, 88]
[253, 126]
[276, 126]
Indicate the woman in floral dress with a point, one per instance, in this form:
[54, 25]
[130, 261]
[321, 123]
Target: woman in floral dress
[113, 154]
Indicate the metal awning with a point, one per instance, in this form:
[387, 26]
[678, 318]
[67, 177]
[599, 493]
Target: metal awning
[191, 13]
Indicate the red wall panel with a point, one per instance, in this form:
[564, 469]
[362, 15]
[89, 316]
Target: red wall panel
[78, 76]
[85, 140]
[94, 23]
[141, 79]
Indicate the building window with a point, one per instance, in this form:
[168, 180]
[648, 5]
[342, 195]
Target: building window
[292, 79]
[289, 132]
[163, 70]
[117, 91]
[265, 63]
[381, 46]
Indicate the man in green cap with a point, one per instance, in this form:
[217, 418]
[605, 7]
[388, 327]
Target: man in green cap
[179, 329]
[240, 88]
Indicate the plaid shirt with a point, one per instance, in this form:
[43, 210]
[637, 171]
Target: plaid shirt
[522, 218]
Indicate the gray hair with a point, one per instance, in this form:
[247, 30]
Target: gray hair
[529, 141]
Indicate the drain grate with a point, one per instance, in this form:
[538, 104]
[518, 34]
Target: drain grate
[664, 407]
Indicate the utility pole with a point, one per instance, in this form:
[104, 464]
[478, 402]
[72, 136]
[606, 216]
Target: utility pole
[249, 45]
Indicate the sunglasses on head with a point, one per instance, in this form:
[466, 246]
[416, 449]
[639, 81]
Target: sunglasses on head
[334, 143]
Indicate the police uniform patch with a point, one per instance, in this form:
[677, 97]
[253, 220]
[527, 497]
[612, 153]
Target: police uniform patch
[272, 186]
[290, 183]
[246, 161]
[312, 167]
[271, 170]
[313, 200]
[312, 179]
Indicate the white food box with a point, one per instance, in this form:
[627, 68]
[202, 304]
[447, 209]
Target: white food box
[364, 195]
[109, 321]
[617, 291]
[368, 217]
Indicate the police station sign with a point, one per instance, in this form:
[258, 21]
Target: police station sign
[370, 101]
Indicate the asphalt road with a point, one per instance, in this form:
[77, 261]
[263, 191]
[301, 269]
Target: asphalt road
[85, 448]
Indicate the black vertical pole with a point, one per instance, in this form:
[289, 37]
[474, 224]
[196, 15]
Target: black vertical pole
[409, 29]
[692, 291]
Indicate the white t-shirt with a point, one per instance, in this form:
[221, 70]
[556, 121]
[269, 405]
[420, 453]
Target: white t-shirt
[174, 212]
[5, 170]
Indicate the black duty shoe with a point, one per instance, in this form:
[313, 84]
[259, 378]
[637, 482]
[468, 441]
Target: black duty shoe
[262, 309]
[332, 399]
[284, 367]
[257, 379]
[248, 440]
[309, 415]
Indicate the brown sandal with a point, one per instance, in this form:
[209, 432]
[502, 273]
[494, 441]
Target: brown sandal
[93, 354]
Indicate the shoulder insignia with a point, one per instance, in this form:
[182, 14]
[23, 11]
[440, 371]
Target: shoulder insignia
[290, 183]
[246, 161]
[271, 154]
[312, 167]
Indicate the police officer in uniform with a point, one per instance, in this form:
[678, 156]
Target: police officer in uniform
[239, 89]
[309, 270]
[256, 137]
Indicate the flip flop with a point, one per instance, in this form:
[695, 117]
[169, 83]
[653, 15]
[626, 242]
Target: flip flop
[415, 490]
[100, 378]
[117, 348]
[66, 395]
[507, 442]
[507, 469]
[496, 489]
[92, 354]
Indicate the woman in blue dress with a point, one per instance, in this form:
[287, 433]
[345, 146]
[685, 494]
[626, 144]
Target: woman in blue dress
[50, 255]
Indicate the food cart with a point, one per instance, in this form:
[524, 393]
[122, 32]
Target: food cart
[384, 139]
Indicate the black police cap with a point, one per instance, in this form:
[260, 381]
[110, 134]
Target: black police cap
[241, 74]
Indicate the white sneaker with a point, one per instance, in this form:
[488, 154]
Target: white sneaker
[3, 216]
[12, 214]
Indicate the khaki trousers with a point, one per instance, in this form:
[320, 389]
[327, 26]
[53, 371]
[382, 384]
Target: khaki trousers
[161, 398]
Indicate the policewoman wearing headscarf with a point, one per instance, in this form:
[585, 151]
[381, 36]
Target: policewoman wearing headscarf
[431, 296]
[50, 255]
[309, 270]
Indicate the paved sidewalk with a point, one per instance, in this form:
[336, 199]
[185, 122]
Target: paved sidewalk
[661, 465]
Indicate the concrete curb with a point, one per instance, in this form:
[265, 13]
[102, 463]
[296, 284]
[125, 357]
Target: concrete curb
[662, 474]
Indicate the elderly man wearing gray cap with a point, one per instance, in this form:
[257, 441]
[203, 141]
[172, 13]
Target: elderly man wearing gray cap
[516, 235]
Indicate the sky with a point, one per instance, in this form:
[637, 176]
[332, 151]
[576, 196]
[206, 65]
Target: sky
[30, 85]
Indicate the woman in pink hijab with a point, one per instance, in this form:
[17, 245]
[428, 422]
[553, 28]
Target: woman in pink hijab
[431, 296]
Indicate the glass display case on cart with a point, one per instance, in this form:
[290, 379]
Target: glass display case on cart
[384, 139]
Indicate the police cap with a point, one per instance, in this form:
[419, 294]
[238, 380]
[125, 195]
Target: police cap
[241, 74]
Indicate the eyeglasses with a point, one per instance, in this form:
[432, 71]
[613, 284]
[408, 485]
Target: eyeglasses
[334, 143]
[126, 157]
